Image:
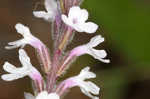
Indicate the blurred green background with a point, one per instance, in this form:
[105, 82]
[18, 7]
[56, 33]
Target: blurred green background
[123, 23]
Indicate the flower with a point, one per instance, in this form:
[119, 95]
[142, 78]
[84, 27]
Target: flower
[88, 49]
[45, 95]
[41, 49]
[26, 70]
[87, 87]
[85, 49]
[28, 38]
[42, 95]
[76, 19]
[51, 7]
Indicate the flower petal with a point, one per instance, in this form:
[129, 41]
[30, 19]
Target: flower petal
[28, 38]
[10, 77]
[53, 96]
[45, 95]
[15, 44]
[24, 58]
[76, 19]
[42, 95]
[50, 5]
[73, 12]
[88, 94]
[96, 40]
[77, 27]
[83, 15]
[66, 20]
[93, 88]
[86, 74]
[76, 13]
[89, 27]
[69, 22]
[23, 30]
[99, 54]
[9, 67]
[42, 14]
[89, 87]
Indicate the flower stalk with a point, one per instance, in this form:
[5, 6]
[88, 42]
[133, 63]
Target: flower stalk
[66, 18]
[65, 39]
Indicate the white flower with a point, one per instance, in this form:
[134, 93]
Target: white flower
[76, 19]
[45, 95]
[28, 38]
[88, 49]
[51, 8]
[26, 70]
[85, 49]
[42, 95]
[87, 87]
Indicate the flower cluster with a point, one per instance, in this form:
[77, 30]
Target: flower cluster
[66, 18]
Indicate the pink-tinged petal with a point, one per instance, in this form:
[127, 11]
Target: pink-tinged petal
[78, 51]
[35, 75]
[88, 49]
[28, 39]
[76, 19]
[26, 70]
[89, 27]
[77, 15]
[32, 72]
[34, 42]
[70, 23]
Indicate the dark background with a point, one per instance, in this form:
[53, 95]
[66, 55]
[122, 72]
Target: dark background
[125, 24]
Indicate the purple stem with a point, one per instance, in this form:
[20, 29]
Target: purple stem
[44, 58]
[52, 74]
